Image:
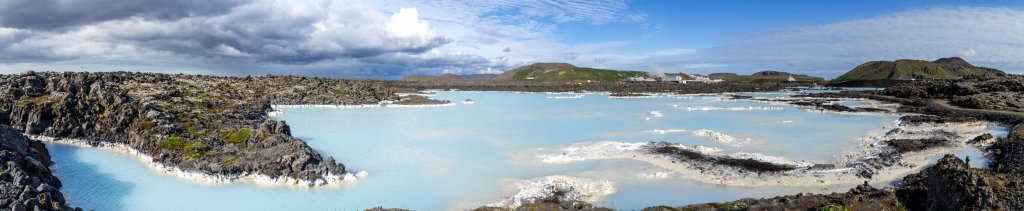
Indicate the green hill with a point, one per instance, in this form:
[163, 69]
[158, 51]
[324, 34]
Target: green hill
[562, 72]
[906, 69]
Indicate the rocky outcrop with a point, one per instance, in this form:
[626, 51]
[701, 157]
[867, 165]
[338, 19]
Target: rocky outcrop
[862, 197]
[549, 206]
[914, 145]
[990, 98]
[1008, 154]
[628, 95]
[420, 100]
[918, 119]
[687, 155]
[1007, 101]
[949, 185]
[206, 124]
[26, 182]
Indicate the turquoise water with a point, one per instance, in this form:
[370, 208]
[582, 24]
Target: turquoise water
[467, 155]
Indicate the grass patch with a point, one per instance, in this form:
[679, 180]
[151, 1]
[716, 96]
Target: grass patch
[173, 143]
[520, 75]
[195, 149]
[832, 207]
[237, 137]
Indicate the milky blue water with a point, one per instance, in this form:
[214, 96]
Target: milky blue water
[467, 155]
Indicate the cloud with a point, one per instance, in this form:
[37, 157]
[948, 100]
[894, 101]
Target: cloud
[58, 14]
[383, 38]
[287, 32]
[988, 35]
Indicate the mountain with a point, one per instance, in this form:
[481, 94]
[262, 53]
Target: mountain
[765, 76]
[906, 69]
[561, 72]
[779, 76]
[449, 77]
[487, 76]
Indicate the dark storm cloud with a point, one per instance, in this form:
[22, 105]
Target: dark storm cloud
[59, 14]
[263, 31]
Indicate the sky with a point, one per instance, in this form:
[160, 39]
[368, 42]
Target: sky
[388, 39]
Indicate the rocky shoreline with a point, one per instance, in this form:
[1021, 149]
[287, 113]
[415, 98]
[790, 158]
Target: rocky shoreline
[220, 128]
[211, 126]
[26, 182]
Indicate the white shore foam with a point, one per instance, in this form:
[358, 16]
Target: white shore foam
[418, 106]
[384, 104]
[633, 97]
[664, 131]
[573, 189]
[582, 152]
[657, 114]
[202, 177]
[654, 175]
[716, 137]
[737, 108]
[566, 97]
[274, 113]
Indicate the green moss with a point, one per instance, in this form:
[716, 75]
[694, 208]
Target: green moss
[238, 137]
[193, 132]
[173, 143]
[195, 149]
[832, 207]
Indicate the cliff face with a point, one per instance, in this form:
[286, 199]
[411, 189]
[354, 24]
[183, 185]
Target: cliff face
[215, 125]
[26, 182]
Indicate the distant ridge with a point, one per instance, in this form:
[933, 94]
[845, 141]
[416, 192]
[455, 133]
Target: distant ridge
[765, 76]
[564, 72]
[448, 77]
[906, 69]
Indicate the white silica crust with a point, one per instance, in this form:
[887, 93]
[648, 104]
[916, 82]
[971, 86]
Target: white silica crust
[202, 177]
[571, 188]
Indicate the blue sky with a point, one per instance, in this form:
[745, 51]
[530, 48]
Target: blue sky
[389, 39]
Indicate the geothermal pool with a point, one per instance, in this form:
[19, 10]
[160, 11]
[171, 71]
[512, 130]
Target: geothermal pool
[468, 155]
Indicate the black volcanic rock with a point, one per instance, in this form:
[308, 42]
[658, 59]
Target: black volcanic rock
[1003, 93]
[26, 182]
[211, 124]
[1008, 153]
[949, 185]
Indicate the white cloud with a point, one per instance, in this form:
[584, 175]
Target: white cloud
[385, 38]
[968, 53]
